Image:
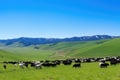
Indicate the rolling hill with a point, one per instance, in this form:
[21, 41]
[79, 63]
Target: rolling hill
[109, 48]
[98, 48]
[4, 56]
[60, 50]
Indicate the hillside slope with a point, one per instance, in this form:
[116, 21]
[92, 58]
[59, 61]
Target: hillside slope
[98, 48]
[4, 56]
[27, 53]
[109, 47]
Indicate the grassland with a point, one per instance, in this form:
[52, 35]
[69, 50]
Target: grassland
[88, 71]
[100, 48]
[5, 56]
[25, 53]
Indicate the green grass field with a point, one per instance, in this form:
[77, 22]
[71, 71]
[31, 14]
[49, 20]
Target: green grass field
[24, 53]
[100, 48]
[88, 71]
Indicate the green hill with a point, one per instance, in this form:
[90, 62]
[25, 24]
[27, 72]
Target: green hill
[62, 50]
[98, 48]
[4, 56]
[109, 48]
[27, 53]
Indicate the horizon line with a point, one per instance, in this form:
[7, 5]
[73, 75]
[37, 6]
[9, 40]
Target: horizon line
[57, 37]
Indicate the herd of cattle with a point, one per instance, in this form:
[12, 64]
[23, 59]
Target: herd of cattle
[76, 62]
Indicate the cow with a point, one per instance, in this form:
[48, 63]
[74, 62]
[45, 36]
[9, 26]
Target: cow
[21, 64]
[77, 60]
[103, 65]
[37, 64]
[114, 61]
[77, 65]
[4, 66]
[67, 62]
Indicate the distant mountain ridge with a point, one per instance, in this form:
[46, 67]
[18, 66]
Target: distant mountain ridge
[34, 41]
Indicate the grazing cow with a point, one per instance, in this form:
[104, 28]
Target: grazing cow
[103, 65]
[38, 66]
[67, 62]
[77, 65]
[21, 64]
[58, 62]
[49, 64]
[77, 60]
[4, 66]
[113, 61]
[26, 64]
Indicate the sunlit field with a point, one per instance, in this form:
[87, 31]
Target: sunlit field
[88, 71]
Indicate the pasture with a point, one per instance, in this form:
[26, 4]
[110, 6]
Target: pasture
[88, 71]
[63, 50]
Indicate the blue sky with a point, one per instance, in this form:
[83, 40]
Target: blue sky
[58, 18]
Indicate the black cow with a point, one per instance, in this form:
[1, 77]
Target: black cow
[77, 65]
[67, 62]
[113, 61]
[77, 60]
[4, 66]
